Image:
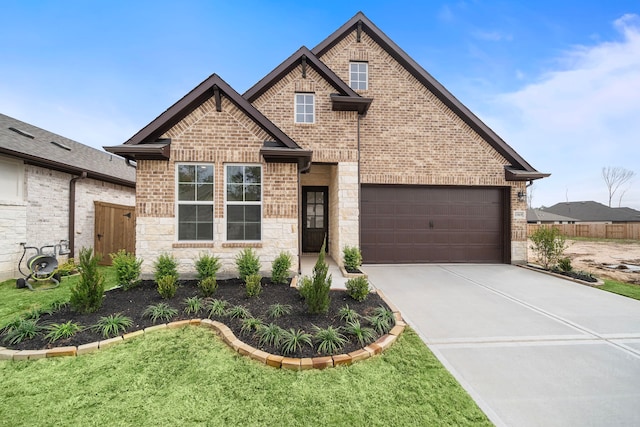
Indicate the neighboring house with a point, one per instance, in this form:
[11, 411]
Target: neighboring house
[49, 187]
[539, 216]
[594, 212]
[352, 141]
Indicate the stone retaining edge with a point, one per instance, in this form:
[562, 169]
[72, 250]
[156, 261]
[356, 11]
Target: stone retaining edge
[240, 347]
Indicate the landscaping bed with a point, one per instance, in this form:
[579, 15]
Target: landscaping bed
[132, 303]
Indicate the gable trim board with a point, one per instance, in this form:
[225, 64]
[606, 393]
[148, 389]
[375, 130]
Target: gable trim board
[361, 143]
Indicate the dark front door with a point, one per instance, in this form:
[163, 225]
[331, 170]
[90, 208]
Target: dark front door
[315, 218]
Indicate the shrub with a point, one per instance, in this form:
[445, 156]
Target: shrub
[207, 266]
[316, 294]
[217, 307]
[250, 324]
[127, 268]
[564, 264]
[238, 312]
[381, 320]
[280, 268]
[278, 310]
[347, 314]
[62, 330]
[248, 263]
[363, 334]
[358, 288]
[253, 286]
[20, 330]
[67, 268]
[548, 245]
[270, 335]
[329, 340]
[352, 258]
[165, 265]
[167, 286]
[160, 311]
[293, 340]
[86, 295]
[112, 325]
[304, 286]
[193, 305]
[208, 286]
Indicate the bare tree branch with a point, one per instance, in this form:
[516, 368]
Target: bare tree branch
[614, 178]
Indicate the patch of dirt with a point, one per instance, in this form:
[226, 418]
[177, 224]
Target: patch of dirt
[132, 304]
[594, 257]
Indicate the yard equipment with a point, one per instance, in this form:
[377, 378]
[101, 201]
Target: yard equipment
[42, 266]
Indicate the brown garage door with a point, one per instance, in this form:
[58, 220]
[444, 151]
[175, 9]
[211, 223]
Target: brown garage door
[414, 224]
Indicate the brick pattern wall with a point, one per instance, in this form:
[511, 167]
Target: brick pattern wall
[209, 136]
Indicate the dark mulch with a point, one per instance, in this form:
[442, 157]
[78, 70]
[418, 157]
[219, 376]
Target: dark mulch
[133, 302]
[585, 277]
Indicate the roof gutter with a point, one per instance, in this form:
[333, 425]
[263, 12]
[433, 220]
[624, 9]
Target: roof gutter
[72, 211]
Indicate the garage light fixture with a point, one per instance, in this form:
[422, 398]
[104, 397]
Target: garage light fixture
[522, 196]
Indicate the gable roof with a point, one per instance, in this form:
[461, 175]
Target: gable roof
[539, 215]
[346, 98]
[146, 144]
[594, 211]
[46, 149]
[519, 170]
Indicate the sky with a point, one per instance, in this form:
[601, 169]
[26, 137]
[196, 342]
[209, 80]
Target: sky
[559, 81]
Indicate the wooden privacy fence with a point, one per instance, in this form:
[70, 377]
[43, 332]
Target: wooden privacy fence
[598, 231]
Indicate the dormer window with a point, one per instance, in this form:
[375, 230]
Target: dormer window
[305, 108]
[359, 75]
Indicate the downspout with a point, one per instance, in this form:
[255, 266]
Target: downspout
[299, 224]
[72, 212]
[359, 188]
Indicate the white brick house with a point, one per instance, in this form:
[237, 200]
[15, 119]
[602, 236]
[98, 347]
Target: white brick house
[39, 171]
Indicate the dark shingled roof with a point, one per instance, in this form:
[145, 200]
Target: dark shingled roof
[594, 212]
[46, 149]
[538, 215]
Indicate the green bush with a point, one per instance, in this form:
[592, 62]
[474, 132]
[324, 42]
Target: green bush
[381, 320]
[253, 285]
[167, 286]
[549, 245]
[316, 294]
[250, 324]
[59, 331]
[193, 305]
[248, 263]
[352, 258]
[207, 266]
[347, 314]
[278, 310]
[160, 311]
[361, 333]
[238, 312]
[20, 330]
[216, 307]
[208, 286]
[280, 268]
[270, 335]
[165, 265]
[127, 268]
[564, 264]
[293, 340]
[329, 340]
[87, 294]
[67, 268]
[112, 325]
[358, 288]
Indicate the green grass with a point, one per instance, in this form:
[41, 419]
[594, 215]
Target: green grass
[621, 288]
[15, 301]
[189, 377]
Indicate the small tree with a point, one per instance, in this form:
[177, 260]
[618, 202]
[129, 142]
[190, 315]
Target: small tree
[549, 246]
[316, 294]
[614, 178]
[352, 258]
[248, 263]
[86, 295]
[165, 265]
[280, 268]
[127, 268]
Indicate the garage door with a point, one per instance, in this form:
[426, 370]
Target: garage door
[415, 224]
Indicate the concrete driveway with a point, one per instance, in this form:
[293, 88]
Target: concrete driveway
[531, 349]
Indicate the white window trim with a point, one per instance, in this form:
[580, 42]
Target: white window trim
[366, 82]
[295, 105]
[178, 202]
[226, 203]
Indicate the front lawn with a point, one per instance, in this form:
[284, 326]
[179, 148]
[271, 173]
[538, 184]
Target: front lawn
[189, 377]
[621, 288]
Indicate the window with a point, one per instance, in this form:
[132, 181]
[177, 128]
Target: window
[358, 72]
[244, 202]
[11, 180]
[305, 108]
[195, 201]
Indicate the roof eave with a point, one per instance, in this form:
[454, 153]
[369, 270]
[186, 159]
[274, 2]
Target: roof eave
[511, 174]
[142, 151]
[288, 155]
[350, 103]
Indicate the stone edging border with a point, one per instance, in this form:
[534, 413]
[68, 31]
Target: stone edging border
[599, 282]
[224, 332]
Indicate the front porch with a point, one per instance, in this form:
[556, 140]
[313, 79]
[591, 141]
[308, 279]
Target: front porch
[307, 261]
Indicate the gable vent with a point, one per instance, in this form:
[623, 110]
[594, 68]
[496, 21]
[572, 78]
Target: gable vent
[58, 144]
[22, 132]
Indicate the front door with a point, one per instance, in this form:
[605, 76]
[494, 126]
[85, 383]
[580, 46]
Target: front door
[315, 218]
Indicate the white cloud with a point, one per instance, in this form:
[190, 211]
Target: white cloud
[575, 120]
